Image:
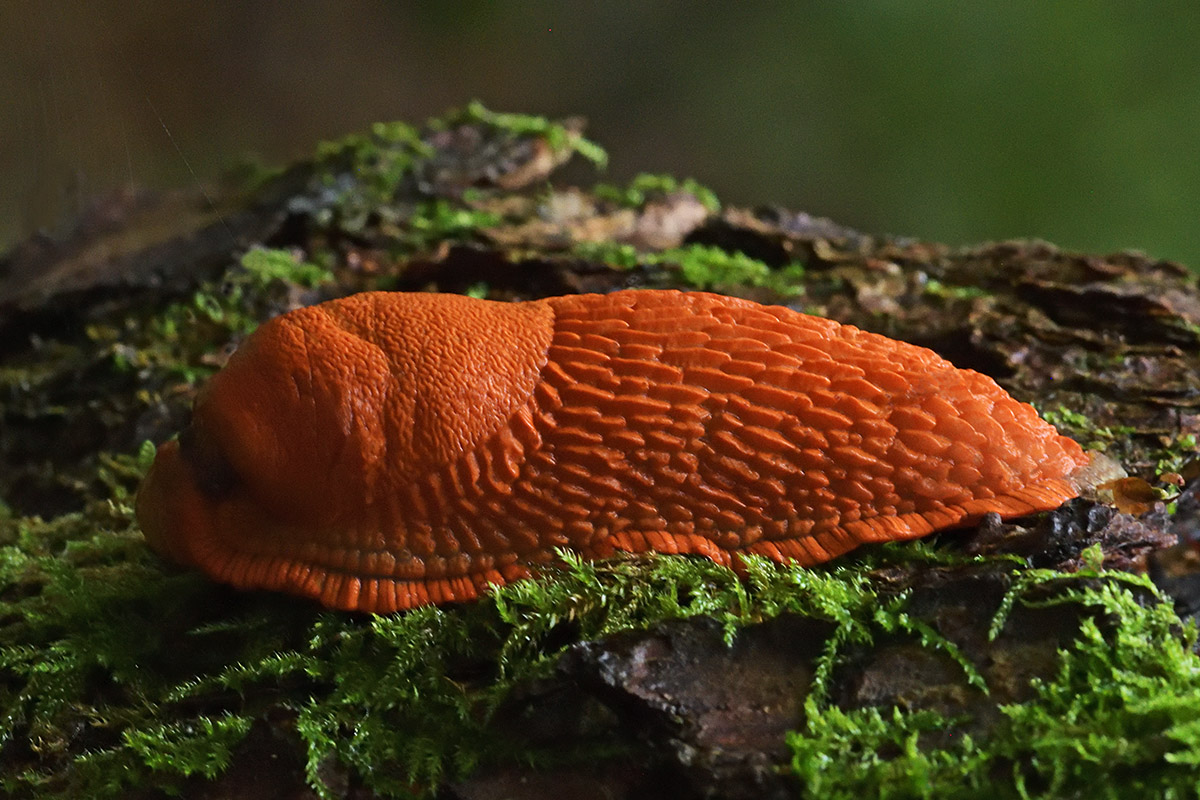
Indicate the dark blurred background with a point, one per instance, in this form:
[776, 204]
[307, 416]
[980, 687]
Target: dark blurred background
[961, 122]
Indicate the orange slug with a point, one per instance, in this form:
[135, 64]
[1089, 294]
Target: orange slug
[387, 450]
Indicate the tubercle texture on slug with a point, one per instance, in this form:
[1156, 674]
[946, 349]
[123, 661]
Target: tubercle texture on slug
[665, 421]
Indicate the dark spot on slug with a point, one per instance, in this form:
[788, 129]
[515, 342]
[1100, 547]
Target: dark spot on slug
[214, 475]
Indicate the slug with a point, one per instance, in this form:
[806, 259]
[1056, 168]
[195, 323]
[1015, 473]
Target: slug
[388, 450]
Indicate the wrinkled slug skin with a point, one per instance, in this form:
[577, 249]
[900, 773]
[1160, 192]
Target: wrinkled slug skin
[386, 450]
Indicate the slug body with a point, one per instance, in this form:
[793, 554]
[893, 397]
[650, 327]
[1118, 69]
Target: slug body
[387, 450]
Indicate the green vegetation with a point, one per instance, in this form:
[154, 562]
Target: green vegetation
[714, 268]
[560, 137]
[280, 265]
[367, 180]
[936, 288]
[1118, 720]
[440, 221]
[1082, 428]
[1175, 456]
[645, 187]
[702, 266]
[176, 343]
[360, 174]
[621, 256]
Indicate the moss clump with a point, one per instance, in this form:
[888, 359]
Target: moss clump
[1181, 454]
[265, 265]
[441, 221]
[1118, 719]
[702, 266]
[935, 288]
[372, 180]
[713, 268]
[359, 175]
[176, 344]
[646, 187]
[621, 256]
[1083, 429]
[560, 137]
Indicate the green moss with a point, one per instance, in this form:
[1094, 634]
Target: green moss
[176, 343]
[702, 266]
[202, 746]
[266, 265]
[364, 180]
[359, 175]
[1083, 429]
[127, 675]
[560, 137]
[81, 644]
[1118, 719]
[646, 187]
[1177, 454]
[621, 256]
[936, 288]
[442, 221]
[713, 268]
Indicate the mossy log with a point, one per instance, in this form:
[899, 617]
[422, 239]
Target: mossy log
[1038, 657]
